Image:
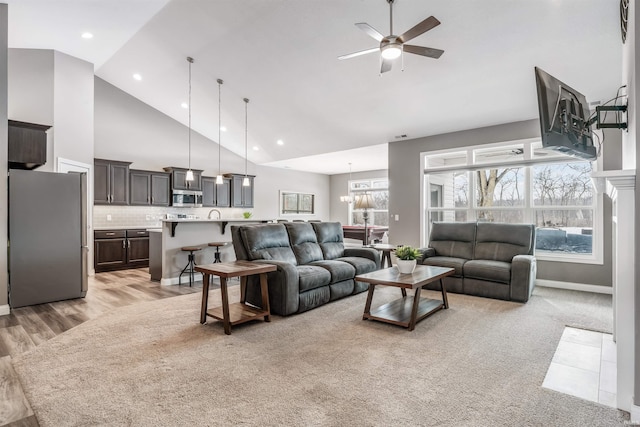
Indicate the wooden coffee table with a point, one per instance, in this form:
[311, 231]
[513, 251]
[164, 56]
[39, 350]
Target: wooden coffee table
[407, 310]
[239, 312]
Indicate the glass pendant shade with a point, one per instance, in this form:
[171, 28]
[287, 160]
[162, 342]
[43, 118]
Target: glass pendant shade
[219, 179]
[246, 182]
[189, 175]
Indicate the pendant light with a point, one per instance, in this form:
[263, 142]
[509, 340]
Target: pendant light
[219, 179]
[348, 198]
[189, 176]
[245, 181]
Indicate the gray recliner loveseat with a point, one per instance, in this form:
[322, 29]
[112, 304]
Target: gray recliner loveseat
[491, 260]
[313, 265]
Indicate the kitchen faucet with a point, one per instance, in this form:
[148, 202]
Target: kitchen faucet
[212, 211]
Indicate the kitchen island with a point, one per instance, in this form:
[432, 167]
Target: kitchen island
[166, 259]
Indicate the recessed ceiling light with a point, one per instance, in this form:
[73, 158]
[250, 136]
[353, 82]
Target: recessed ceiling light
[223, 128]
[87, 36]
[256, 148]
[137, 77]
[184, 105]
[280, 142]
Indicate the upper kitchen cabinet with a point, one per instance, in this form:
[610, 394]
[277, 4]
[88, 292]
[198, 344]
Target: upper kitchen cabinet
[111, 182]
[179, 179]
[216, 195]
[241, 196]
[27, 145]
[149, 188]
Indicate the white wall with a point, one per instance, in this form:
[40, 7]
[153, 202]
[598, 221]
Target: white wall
[31, 85]
[4, 211]
[127, 129]
[72, 109]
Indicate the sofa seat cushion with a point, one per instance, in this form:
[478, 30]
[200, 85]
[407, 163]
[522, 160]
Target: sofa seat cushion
[445, 261]
[493, 271]
[362, 265]
[312, 277]
[339, 270]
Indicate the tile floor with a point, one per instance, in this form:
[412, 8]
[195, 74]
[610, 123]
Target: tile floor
[584, 366]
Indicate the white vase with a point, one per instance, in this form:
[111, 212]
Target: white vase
[406, 266]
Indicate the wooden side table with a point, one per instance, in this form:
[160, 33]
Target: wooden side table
[386, 253]
[238, 312]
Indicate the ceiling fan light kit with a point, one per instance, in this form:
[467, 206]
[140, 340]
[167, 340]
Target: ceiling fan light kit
[392, 46]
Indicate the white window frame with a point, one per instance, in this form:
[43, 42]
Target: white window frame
[355, 192]
[596, 257]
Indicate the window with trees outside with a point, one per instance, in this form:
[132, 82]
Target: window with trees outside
[519, 183]
[379, 190]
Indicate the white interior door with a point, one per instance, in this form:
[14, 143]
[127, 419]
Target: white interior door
[66, 166]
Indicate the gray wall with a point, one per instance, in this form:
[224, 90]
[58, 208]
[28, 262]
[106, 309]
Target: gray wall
[129, 130]
[405, 177]
[4, 211]
[340, 187]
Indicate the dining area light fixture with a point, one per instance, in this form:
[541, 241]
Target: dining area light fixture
[189, 176]
[245, 181]
[365, 202]
[219, 179]
[348, 198]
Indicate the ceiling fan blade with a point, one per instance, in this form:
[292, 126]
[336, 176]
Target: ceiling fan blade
[362, 52]
[386, 65]
[424, 51]
[421, 27]
[370, 30]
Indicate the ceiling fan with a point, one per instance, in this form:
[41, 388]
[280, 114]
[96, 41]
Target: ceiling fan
[393, 46]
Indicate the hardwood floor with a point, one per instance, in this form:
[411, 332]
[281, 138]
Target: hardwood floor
[27, 327]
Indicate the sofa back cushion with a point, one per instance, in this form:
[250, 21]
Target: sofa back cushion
[501, 242]
[267, 241]
[453, 239]
[330, 239]
[303, 242]
[238, 243]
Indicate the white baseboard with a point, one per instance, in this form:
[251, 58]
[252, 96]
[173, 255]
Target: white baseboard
[4, 310]
[574, 286]
[634, 418]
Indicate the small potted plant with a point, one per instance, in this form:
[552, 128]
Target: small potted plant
[407, 259]
[246, 215]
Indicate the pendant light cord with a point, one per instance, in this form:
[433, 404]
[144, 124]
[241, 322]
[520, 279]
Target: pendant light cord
[190, 60]
[246, 133]
[219, 125]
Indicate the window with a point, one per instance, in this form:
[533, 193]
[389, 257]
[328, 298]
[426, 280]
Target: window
[296, 203]
[518, 183]
[379, 191]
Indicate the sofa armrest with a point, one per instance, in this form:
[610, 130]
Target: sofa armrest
[426, 253]
[284, 287]
[369, 253]
[523, 277]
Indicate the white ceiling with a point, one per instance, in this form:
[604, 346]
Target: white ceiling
[282, 54]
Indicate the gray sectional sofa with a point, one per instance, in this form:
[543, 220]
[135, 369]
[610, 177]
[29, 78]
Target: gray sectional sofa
[313, 265]
[491, 260]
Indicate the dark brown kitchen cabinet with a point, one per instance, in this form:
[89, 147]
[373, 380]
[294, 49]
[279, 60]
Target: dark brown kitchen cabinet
[27, 145]
[149, 188]
[179, 179]
[216, 195]
[111, 182]
[241, 196]
[121, 249]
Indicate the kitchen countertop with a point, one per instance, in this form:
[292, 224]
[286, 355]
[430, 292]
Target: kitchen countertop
[129, 227]
[217, 220]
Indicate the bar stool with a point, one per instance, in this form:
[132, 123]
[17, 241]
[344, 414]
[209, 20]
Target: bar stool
[190, 264]
[218, 245]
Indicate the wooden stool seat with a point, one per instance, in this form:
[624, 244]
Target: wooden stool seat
[218, 245]
[190, 264]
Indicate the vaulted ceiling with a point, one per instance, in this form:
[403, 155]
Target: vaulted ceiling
[282, 54]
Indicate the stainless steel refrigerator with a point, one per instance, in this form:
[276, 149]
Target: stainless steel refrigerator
[47, 237]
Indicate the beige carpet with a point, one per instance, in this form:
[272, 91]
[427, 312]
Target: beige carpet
[480, 363]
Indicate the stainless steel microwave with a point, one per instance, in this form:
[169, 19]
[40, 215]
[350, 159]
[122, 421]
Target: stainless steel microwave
[186, 198]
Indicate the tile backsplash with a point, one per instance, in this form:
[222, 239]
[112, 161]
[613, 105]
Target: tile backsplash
[149, 216]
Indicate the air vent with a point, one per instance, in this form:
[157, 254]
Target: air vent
[404, 135]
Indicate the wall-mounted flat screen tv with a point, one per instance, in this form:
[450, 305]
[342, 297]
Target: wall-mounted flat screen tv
[564, 118]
